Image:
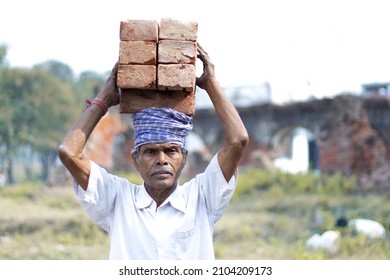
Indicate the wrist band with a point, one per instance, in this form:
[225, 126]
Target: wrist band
[98, 102]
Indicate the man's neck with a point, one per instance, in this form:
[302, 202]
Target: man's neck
[159, 196]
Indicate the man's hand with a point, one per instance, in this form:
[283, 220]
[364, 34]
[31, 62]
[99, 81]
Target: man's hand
[110, 92]
[208, 68]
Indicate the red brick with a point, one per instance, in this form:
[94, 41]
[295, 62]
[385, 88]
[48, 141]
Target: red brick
[181, 77]
[139, 30]
[133, 100]
[137, 76]
[172, 52]
[137, 52]
[171, 83]
[172, 29]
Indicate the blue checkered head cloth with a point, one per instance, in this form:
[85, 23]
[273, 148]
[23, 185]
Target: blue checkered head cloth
[161, 125]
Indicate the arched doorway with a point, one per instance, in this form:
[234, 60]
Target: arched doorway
[296, 150]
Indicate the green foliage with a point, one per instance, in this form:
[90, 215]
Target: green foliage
[3, 54]
[134, 178]
[38, 106]
[23, 191]
[280, 183]
[36, 110]
[57, 69]
[88, 85]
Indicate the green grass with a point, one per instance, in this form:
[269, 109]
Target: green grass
[264, 226]
[47, 223]
[270, 217]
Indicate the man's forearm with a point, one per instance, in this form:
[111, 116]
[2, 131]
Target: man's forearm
[71, 148]
[227, 113]
[235, 132]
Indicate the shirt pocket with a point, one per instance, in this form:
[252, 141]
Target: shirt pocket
[184, 241]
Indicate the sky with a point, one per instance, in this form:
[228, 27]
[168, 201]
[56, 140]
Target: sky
[302, 48]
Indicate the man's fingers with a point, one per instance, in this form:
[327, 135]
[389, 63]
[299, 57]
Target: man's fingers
[114, 70]
[202, 53]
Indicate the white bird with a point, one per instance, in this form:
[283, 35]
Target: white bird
[327, 241]
[371, 229]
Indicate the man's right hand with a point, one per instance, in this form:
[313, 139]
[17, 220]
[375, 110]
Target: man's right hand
[110, 92]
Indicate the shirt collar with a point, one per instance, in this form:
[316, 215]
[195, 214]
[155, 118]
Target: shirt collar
[176, 199]
[143, 199]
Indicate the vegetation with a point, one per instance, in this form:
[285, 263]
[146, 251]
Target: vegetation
[268, 218]
[37, 106]
[273, 213]
[47, 223]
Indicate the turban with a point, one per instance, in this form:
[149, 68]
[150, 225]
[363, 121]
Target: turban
[161, 125]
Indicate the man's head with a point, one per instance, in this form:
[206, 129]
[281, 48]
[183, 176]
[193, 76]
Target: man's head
[159, 153]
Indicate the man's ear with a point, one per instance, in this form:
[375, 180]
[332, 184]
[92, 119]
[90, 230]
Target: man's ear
[135, 161]
[183, 163]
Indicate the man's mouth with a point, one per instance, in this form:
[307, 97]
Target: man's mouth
[161, 172]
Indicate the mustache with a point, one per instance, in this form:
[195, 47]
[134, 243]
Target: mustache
[161, 171]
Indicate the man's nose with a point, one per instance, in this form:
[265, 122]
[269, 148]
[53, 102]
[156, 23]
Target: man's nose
[161, 158]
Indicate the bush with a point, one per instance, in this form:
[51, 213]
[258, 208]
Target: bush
[280, 183]
[134, 178]
[27, 190]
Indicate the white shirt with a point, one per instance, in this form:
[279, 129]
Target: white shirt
[180, 228]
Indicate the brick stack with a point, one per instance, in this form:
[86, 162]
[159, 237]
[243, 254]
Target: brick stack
[157, 65]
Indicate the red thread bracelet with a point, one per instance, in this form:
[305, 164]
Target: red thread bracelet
[98, 102]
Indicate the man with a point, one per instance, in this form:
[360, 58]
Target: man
[159, 219]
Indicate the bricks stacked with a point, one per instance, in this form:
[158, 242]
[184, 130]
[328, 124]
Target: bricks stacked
[157, 65]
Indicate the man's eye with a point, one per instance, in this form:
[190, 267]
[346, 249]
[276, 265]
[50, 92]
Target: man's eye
[149, 151]
[172, 151]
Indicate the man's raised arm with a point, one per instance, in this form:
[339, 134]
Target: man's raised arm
[235, 132]
[71, 149]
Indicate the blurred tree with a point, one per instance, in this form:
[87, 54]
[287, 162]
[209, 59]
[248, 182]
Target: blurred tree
[52, 112]
[88, 85]
[7, 141]
[3, 54]
[38, 106]
[57, 69]
[36, 109]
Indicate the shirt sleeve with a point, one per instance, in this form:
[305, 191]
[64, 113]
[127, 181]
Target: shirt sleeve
[217, 191]
[99, 198]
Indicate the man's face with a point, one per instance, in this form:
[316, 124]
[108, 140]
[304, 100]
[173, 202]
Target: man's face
[160, 165]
